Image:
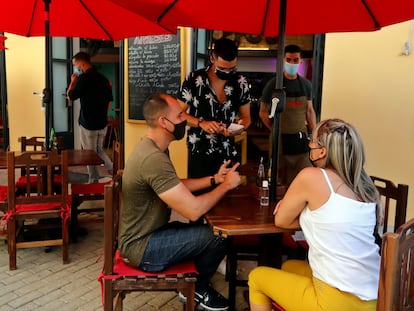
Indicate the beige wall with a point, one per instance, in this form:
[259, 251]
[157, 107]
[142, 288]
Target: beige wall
[25, 72]
[369, 84]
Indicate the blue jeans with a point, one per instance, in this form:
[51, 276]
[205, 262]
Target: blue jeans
[177, 241]
[94, 140]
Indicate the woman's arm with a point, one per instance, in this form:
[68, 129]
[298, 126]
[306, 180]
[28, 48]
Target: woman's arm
[297, 196]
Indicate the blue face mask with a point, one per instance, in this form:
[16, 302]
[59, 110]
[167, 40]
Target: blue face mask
[77, 71]
[291, 69]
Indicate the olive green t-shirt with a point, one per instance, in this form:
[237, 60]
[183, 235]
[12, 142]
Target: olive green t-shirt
[147, 173]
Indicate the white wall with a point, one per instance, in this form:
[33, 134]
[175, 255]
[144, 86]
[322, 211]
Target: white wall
[368, 83]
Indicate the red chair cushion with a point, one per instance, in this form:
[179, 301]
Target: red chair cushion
[37, 207]
[94, 188]
[123, 269]
[303, 244]
[21, 181]
[3, 193]
[43, 206]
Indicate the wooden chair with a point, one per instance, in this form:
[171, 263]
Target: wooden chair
[396, 282]
[112, 131]
[34, 143]
[393, 197]
[42, 204]
[37, 143]
[92, 192]
[117, 278]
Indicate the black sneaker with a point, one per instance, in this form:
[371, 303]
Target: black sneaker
[209, 300]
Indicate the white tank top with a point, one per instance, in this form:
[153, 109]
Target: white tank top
[342, 249]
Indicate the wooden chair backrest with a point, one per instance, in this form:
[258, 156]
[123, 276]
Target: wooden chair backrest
[44, 164]
[113, 197]
[38, 143]
[392, 197]
[34, 143]
[117, 156]
[396, 282]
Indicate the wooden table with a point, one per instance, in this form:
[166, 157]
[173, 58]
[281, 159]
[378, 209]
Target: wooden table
[79, 157]
[239, 214]
[76, 157]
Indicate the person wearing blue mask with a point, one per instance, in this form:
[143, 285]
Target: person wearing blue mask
[297, 120]
[95, 94]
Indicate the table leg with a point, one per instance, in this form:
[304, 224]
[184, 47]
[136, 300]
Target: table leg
[231, 274]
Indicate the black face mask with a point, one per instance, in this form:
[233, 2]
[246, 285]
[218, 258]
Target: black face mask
[313, 161]
[310, 157]
[179, 129]
[224, 75]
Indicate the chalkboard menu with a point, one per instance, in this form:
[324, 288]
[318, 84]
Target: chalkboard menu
[153, 66]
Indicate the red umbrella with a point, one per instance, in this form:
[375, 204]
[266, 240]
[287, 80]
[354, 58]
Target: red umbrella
[261, 17]
[275, 18]
[92, 19]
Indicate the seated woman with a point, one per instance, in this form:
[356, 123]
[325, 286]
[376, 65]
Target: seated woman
[337, 207]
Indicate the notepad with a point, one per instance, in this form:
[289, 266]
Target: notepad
[234, 128]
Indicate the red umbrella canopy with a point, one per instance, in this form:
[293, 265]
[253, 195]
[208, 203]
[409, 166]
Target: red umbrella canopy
[261, 17]
[93, 19]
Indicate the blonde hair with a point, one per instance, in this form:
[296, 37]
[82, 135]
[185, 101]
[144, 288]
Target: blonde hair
[346, 155]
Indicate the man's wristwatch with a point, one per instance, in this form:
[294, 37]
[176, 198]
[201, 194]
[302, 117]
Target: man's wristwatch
[199, 121]
[212, 181]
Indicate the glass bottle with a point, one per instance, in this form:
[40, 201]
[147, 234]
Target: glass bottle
[264, 193]
[261, 175]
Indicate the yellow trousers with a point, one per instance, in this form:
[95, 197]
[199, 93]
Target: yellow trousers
[294, 288]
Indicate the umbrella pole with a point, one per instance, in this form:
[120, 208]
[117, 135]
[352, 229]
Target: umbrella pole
[278, 93]
[47, 96]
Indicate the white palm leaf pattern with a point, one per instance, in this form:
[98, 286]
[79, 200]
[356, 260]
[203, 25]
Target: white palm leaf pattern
[226, 147]
[186, 94]
[196, 103]
[211, 101]
[200, 84]
[193, 139]
[243, 83]
[226, 107]
[233, 116]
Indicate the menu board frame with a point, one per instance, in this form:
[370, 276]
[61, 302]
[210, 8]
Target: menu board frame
[154, 65]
